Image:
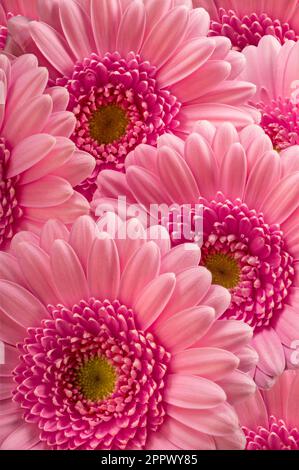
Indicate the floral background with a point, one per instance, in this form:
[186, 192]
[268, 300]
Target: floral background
[123, 326]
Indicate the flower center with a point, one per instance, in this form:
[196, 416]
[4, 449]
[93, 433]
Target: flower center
[279, 436]
[108, 124]
[253, 257]
[118, 104]
[244, 254]
[89, 378]
[225, 269]
[280, 121]
[97, 379]
[249, 29]
[10, 211]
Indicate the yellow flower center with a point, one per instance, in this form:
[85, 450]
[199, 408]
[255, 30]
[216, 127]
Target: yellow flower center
[97, 379]
[225, 270]
[108, 124]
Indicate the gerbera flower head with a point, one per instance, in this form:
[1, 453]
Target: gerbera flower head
[10, 8]
[110, 354]
[272, 68]
[270, 418]
[250, 199]
[246, 22]
[135, 70]
[39, 164]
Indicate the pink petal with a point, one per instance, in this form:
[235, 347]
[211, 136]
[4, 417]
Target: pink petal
[53, 46]
[68, 212]
[219, 298]
[187, 438]
[46, 192]
[24, 437]
[191, 286]
[170, 30]
[11, 360]
[28, 152]
[261, 181]
[51, 162]
[189, 58]
[69, 277]
[187, 391]
[51, 231]
[83, 233]
[20, 305]
[221, 421]
[31, 120]
[60, 124]
[103, 270]
[176, 177]
[201, 160]
[24, 88]
[141, 269]
[282, 200]
[211, 363]
[183, 329]
[237, 386]
[153, 299]
[269, 348]
[79, 167]
[180, 258]
[77, 29]
[105, 18]
[131, 29]
[233, 172]
[229, 334]
[35, 264]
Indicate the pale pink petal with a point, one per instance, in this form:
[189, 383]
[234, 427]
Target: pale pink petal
[181, 258]
[141, 269]
[35, 264]
[187, 391]
[29, 152]
[68, 274]
[222, 421]
[20, 305]
[103, 270]
[131, 29]
[182, 330]
[41, 194]
[172, 26]
[153, 299]
[211, 363]
[83, 233]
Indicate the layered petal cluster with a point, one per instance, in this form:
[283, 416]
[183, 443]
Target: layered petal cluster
[249, 196]
[270, 418]
[274, 70]
[39, 164]
[246, 22]
[135, 70]
[115, 343]
[10, 8]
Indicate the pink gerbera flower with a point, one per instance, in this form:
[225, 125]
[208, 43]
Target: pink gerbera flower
[270, 419]
[110, 354]
[273, 68]
[39, 165]
[246, 22]
[10, 8]
[250, 198]
[135, 70]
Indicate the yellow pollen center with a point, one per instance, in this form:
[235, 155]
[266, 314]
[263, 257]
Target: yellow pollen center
[97, 379]
[225, 270]
[107, 124]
